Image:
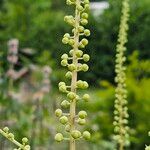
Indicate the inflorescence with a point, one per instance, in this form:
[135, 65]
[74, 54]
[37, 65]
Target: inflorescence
[121, 109]
[71, 61]
[10, 136]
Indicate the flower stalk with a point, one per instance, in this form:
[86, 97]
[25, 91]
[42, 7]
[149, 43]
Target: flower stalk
[74, 66]
[121, 110]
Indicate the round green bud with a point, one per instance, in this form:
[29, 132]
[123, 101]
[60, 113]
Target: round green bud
[71, 42]
[65, 104]
[80, 84]
[59, 137]
[86, 135]
[67, 35]
[81, 45]
[10, 136]
[85, 67]
[64, 62]
[79, 53]
[84, 15]
[71, 95]
[64, 56]
[82, 114]
[63, 120]
[86, 57]
[87, 32]
[76, 134]
[68, 128]
[58, 113]
[80, 8]
[65, 40]
[84, 21]
[27, 147]
[80, 28]
[61, 83]
[68, 75]
[85, 85]
[84, 41]
[6, 129]
[71, 52]
[87, 6]
[63, 88]
[68, 2]
[86, 97]
[81, 121]
[71, 67]
[24, 140]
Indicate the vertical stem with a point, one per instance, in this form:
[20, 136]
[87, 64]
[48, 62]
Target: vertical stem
[74, 76]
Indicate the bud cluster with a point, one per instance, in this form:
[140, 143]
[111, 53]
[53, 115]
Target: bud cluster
[121, 110]
[10, 136]
[72, 62]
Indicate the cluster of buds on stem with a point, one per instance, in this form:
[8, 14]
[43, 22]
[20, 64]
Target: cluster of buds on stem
[72, 61]
[10, 136]
[148, 147]
[121, 110]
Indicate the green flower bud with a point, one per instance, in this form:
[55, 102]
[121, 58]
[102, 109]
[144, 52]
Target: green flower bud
[85, 67]
[27, 147]
[80, 28]
[84, 41]
[68, 2]
[58, 113]
[79, 53]
[86, 57]
[80, 8]
[6, 129]
[84, 15]
[87, 6]
[24, 140]
[87, 32]
[64, 62]
[63, 88]
[61, 83]
[65, 40]
[59, 137]
[86, 97]
[80, 84]
[71, 52]
[63, 120]
[84, 21]
[82, 114]
[67, 35]
[76, 134]
[64, 56]
[81, 45]
[71, 67]
[65, 104]
[10, 136]
[68, 75]
[71, 95]
[68, 128]
[71, 42]
[86, 135]
[85, 85]
[81, 121]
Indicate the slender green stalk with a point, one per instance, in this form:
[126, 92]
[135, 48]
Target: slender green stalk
[121, 110]
[71, 119]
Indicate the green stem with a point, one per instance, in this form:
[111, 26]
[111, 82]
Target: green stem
[74, 76]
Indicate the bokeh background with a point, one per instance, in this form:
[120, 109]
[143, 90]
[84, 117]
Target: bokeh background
[28, 89]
